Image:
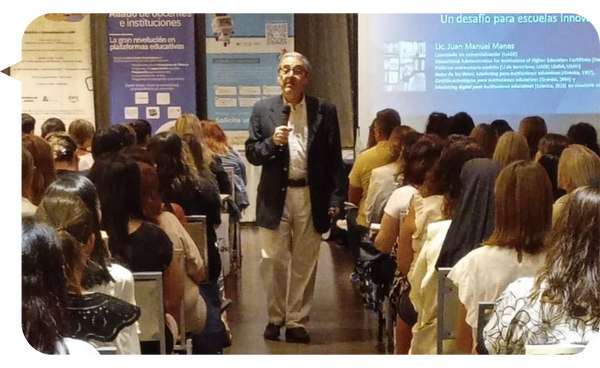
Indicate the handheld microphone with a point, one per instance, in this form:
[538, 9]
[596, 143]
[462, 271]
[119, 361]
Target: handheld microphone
[285, 116]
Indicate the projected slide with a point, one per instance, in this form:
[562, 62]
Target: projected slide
[489, 65]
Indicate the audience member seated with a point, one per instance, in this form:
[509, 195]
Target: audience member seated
[486, 137]
[515, 249]
[92, 316]
[533, 129]
[216, 140]
[511, 147]
[43, 164]
[472, 222]
[143, 132]
[460, 124]
[82, 132]
[385, 123]
[101, 274]
[128, 134]
[194, 272]
[550, 148]
[577, 166]
[584, 134]
[501, 126]
[561, 304]
[387, 178]
[178, 185]
[436, 124]
[27, 124]
[27, 170]
[52, 125]
[64, 150]
[435, 202]
[106, 140]
[44, 299]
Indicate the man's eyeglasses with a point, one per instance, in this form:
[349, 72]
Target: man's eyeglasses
[299, 71]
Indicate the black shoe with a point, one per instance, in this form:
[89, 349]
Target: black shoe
[272, 332]
[297, 335]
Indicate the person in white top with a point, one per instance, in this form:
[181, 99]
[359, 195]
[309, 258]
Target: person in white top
[44, 292]
[562, 304]
[515, 249]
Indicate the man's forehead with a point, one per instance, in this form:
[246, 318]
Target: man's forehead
[292, 61]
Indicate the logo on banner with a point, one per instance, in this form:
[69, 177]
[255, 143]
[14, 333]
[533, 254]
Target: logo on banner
[73, 99]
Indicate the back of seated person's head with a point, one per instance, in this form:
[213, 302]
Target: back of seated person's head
[143, 131]
[139, 154]
[52, 125]
[420, 158]
[27, 124]
[386, 121]
[444, 177]
[43, 288]
[570, 276]
[584, 134]
[577, 166]
[523, 208]
[511, 147]
[82, 132]
[149, 193]
[117, 180]
[214, 137]
[486, 137]
[461, 123]
[106, 140]
[43, 161]
[64, 149]
[397, 140]
[128, 134]
[533, 129]
[71, 218]
[436, 124]
[501, 126]
[96, 271]
[552, 144]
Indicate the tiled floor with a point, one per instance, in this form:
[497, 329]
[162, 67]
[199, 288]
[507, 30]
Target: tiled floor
[339, 322]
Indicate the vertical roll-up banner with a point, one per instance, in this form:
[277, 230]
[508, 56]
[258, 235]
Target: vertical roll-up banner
[151, 70]
[242, 56]
[56, 69]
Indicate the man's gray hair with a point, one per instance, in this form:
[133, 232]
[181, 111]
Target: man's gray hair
[297, 55]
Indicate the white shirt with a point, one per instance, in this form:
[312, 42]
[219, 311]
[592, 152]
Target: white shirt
[68, 346]
[297, 140]
[127, 341]
[484, 273]
[85, 162]
[397, 205]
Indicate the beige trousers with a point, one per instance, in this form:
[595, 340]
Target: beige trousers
[289, 261]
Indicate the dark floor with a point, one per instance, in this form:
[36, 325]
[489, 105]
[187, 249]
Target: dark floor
[339, 323]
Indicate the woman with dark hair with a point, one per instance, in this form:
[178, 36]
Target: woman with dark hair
[562, 303]
[106, 140]
[52, 125]
[43, 164]
[178, 185]
[93, 316]
[548, 155]
[461, 124]
[501, 126]
[533, 129]
[515, 249]
[44, 300]
[434, 202]
[436, 124]
[101, 274]
[486, 137]
[584, 134]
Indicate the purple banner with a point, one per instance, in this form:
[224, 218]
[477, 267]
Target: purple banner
[151, 67]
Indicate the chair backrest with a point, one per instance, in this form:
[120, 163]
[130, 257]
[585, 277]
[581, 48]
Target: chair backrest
[149, 297]
[107, 350]
[554, 349]
[483, 317]
[447, 308]
[198, 232]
